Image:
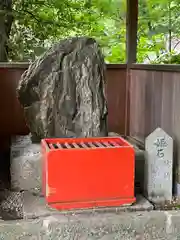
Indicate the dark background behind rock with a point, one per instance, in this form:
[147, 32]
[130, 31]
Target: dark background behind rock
[63, 91]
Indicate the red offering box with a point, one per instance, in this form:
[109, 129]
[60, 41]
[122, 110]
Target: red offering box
[88, 172]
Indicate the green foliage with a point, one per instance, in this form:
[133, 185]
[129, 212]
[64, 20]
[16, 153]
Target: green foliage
[158, 27]
[168, 58]
[39, 23]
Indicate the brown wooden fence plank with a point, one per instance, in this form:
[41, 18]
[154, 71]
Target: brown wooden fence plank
[156, 100]
[176, 121]
[160, 101]
[137, 104]
[167, 102]
[116, 96]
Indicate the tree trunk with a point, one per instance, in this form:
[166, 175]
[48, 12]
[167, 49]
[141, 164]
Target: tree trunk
[6, 19]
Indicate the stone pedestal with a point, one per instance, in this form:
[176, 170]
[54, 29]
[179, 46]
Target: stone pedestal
[25, 165]
[159, 166]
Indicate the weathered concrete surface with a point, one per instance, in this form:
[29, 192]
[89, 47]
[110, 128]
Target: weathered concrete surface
[26, 169]
[92, 226]
[35, 206]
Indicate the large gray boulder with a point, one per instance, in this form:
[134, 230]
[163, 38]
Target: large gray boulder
[63, 91]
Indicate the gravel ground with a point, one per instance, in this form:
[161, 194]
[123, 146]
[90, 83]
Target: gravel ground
[11, 205]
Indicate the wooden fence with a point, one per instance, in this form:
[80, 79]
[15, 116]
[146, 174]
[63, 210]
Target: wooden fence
[154, 101]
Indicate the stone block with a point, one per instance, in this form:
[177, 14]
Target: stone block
[154, 225]
[35, 206]
[26, 167]
[20, 141]
[104, 224]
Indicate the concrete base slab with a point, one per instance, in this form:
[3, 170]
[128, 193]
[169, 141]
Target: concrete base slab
[35, 206]
[157, 225]
[168, 205]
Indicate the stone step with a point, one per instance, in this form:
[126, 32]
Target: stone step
[140, 225]
[17, 205]
[138, 221]
[35, 206]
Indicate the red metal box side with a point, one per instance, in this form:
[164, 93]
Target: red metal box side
[98, 177]
[45, 151]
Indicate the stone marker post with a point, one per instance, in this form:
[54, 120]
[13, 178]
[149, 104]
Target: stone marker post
[159, 166]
